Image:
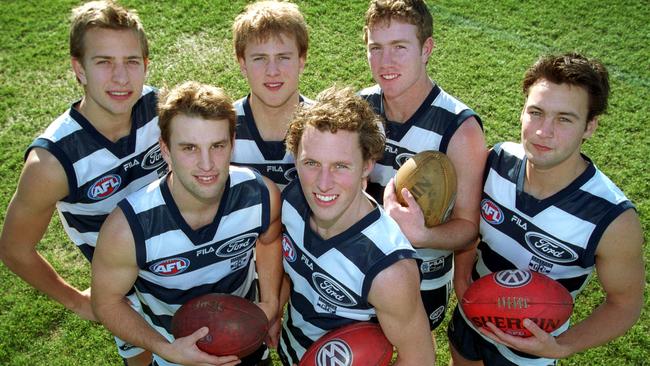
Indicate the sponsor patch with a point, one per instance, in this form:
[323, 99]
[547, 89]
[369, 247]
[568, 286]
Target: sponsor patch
[104, 187]
[291, 174]
[170, 267]
[491, 212]
[549, 248]
[332, 291]
[437, 314]
[153, 159]
[288, 250]
[402, 158]
[237, 245]
[334, 353]
[512, 278]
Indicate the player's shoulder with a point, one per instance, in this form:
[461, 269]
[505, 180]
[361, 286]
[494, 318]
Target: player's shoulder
[370, 91]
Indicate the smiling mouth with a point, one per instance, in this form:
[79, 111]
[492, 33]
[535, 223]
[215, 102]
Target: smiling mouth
[206, 178]
[326, 198]
[273, 85]
[389, 76]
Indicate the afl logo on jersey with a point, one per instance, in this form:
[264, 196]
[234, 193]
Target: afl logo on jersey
[549, 248]
[402, 158]
[512, 277]
[237, 245]
[491, 212]
[334, 353]
[288, 250]
[104, 187]
[170, 267]
[153, 159]
[332, 291]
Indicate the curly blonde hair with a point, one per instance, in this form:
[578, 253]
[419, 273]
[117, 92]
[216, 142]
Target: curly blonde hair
[339, 109]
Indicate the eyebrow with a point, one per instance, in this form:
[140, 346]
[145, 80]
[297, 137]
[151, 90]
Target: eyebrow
[574, 115]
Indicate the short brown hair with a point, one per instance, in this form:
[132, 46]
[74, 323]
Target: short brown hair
[576, 70]
[265, 19]
[103, 14]
[195, 99]
[339, 109]
[382, 12]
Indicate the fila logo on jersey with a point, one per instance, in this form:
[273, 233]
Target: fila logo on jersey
[334, 353]
[237, 245]
[153, 159]
[288, 250]
[402, 158]
[332, 291]
[170, 267]
[549, 248]
[104, 187]
[512, 277]
[491, 212]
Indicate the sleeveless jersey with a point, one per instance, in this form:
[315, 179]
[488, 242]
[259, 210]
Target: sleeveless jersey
[430, 128]
[556, 236]
[269, 158]
[177, 263]
[100, 173]
[331, 278]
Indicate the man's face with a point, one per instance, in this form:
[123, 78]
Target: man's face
[554, 123]
[331, 171]
[198, 155]
[112, 72]
[273, 69]
[397, 60]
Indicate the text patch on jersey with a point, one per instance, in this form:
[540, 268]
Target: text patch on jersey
[491, 212]
[332, 291]
[104, 187]
[288, 250]
[170, 267]
[237, 245]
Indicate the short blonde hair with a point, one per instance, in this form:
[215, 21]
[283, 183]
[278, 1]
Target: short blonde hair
[195, 99]
[265, 19]
[382, 12]
[339, 109]
[103, 14]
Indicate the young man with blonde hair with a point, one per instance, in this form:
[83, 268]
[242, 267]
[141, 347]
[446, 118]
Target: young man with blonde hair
[271, 42]
[346, 259]
[102, 148]
[420, 116]
[193, 217]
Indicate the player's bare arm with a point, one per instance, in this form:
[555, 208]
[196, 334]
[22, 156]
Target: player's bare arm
[269, 264]
[42, 183]
[621, 273]
[114, 271]
[463, 263]
[395, 294]
[468, 153]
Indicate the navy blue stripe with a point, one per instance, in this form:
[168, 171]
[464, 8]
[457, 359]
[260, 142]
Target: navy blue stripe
[461, 118]
[271, 150]
[60, 155]
[145, 109]
[136, 231]
[296, 332]
[157, 220]
[266, 203]
[84, 223]
[159, 320]
[381, 264]
[376, 191]
[604, 223]
[87, 250]
[507, 166]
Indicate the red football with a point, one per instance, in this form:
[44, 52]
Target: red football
[237, 326]
[507, 297]
[357, 344]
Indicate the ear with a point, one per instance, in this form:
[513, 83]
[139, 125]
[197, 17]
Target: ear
[79, 70]
[302, 60]
[146, 64]
[427, 49]
[590, 128]
[164, 150]
[368, 165]
[242, 66]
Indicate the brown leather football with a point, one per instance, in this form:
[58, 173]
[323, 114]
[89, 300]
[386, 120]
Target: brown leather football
[431, 179]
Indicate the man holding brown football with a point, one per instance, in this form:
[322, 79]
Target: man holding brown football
[189, 233]
[421, 116]
[548, 209]
[346, 259]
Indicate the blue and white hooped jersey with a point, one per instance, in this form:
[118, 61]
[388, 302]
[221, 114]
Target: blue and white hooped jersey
[556, 236]
[177, 263]
[100, 172]
[430, 128]
[331, 278]
[269, 158]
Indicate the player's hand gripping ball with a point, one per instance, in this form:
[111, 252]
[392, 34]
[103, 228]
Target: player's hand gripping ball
[507, 297]
[431, 179]
[237, 326]
[357, 344]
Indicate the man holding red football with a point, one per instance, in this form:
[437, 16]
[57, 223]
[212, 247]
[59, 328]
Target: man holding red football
[189, 233]
[346, 259]
[547, 208]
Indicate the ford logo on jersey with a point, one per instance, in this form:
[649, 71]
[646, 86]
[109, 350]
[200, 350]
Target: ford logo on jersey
[104, 187]
[549, 248]
[402, 158]
[288, 250]
[491, 212]
[152, 159]
[237, 245]
[332, 291]
[290, 174]
[170, 267]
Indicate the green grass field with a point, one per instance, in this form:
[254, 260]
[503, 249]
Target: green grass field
[482, 51]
